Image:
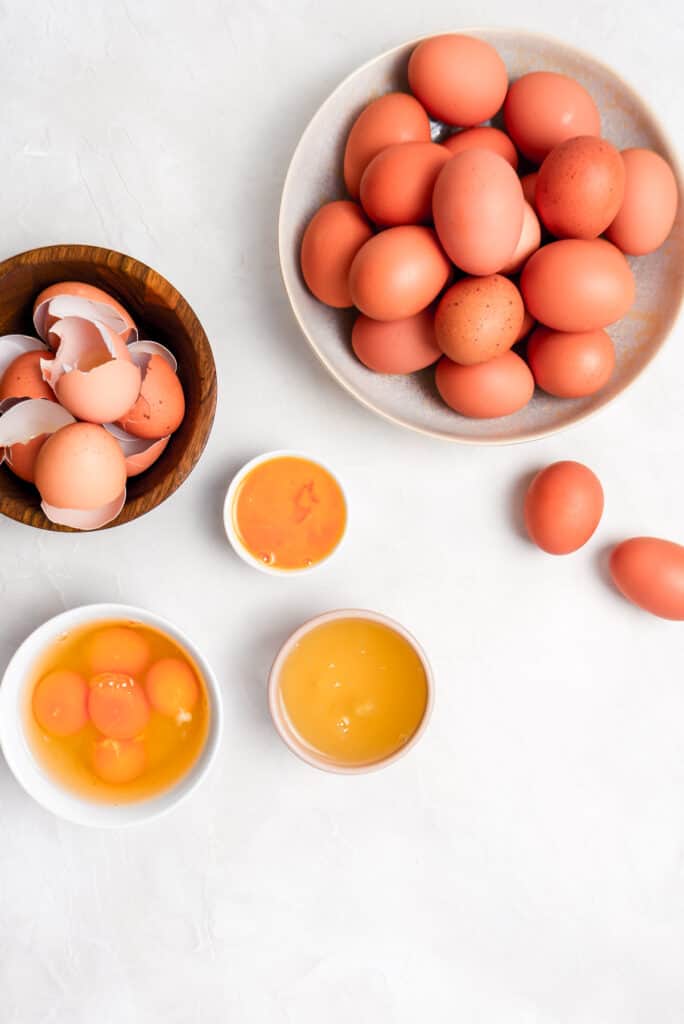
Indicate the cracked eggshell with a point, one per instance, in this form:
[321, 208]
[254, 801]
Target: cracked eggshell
[14, 345]
[24, 428]
[153, 348]
[160, 407]
[81, 476]
[75, 298]
[23, 378]
[92, 374]
[138, 452]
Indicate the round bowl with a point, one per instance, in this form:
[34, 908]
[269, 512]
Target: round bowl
[229, 525]
[287, 733]
[162, 314]
[15, 693]
[315, 177]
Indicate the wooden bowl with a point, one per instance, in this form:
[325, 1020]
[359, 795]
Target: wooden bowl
[162, 314]
[315, 177]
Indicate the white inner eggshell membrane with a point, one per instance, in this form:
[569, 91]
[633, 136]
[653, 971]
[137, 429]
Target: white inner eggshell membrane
[138, 452]
[85, 519]
[139, 349]
[92, 374]
[30, 417]
[62, 306]
[14, 345]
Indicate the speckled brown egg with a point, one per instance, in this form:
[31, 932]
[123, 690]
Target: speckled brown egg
[479, 318]
[160, 407]
[23, 378]
[580, 187]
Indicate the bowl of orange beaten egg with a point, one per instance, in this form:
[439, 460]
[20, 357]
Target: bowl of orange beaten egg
[109, 715]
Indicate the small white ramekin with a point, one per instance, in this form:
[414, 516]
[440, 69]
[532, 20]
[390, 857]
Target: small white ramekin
[229, 524]
[15, 693]
[283, 726]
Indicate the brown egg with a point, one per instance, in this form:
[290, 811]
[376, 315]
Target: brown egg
[396, 346]
[483, 138]
[23, 378]
[529, 242]
[650, 573]
[160, 407]
[580, 187]
[80, 466]
[398, 272]
[526, 326]
[478, 208]
[479, 318]
[563, 507]
[649, 205]
[332, 239]
[459, 79]
[394, 117]
[544, 108]
[529, 186]
[396, 187]
[577, 285]
[21, 458]
[485, 390]
[571, 365]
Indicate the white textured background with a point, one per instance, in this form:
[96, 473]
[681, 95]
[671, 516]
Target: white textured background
[525, 865]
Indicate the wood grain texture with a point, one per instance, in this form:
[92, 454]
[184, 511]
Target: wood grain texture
[162, 314]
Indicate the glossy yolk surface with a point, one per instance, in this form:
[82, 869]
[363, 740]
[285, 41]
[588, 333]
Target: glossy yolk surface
[101, 738]
[353, 690]
[289, 513]
[172, 688]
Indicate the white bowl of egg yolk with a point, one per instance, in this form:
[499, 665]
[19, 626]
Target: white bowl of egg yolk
[109, 715]
[350, 691]
[285, 513]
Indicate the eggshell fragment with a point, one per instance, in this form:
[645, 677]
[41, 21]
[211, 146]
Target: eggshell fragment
[459, 79]
[81, 476]
[394, 117]
[331, 240]
[650, 572]
[483, 138]
[23, 378]
[544, 108]
[580, 187]
[563, 507]
[152, 348]
[478, 318]
[74, 298]
[577, 284]
[139, 453]
[398, 272]
[24, 428]
[160, 406]
[396, 346]
[14, 345]
[529, 242]
[93, 373]
[649, 204]
[478, 209]
[488, 390]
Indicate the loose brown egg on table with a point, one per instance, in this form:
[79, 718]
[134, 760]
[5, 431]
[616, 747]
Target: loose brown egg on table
[649, 205]
[488, 390]
[331, 240]
[394, 117]
[478, 208]
[580, 187]
[650, 572]
[459, 79]
[479, 318]
[577, 284]
[484, 137]
[398, 272]
[544, 108]
[396, 187]
[563, 507]
[571, 365]
[396, 346]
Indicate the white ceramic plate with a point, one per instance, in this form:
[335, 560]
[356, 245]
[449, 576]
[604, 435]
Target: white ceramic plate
[315, 177]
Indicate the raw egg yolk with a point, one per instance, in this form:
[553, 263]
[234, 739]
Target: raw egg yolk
[60, 702]
[172, 688]
[118, 706]
[119, 761]
[118, 649]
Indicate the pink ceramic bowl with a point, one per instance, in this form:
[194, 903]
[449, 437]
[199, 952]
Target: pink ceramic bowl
[283, 726]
